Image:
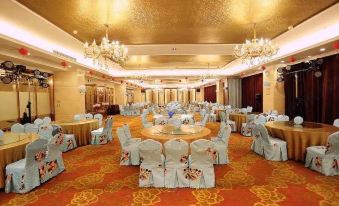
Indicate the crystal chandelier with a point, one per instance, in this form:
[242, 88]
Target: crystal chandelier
[139, 77]
[106, 52]
[208, 75]
[255, 51]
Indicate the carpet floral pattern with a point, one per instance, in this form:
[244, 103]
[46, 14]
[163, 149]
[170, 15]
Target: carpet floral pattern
[93, 176]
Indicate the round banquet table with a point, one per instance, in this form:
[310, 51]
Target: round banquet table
[154, 133]
[298, 138]
[81, 129]
[12, 149]
[238, 118]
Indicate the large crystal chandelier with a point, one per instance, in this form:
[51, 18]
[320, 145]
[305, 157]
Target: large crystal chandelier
[208, 74]
[255, 51]
[106, 52]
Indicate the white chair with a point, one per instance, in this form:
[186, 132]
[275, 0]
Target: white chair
[272, 148]
[271, 118]
[221, 143]
[336, 123]
[145, 123]
[31, 128]
[260, 119]
[54, 162]
[246, 128]
[152, 171]
[204, 121]
[24, 175]
[243, 110]
[38, 122]
[77, 117]
[274, 113]
[69, 141]
[103, 135]
[17, 128]
[201, 170]
[129, 150]
[187, 120]
[174, 121]
[283, 118]
[99, 117]
[45, 131]
[213, 115]
[1, 133]
[128, 134]
[47, 120]
[89, 116]
[230, 122]
[176, 163]
[249, 109]
[160, 121]
[324, 159]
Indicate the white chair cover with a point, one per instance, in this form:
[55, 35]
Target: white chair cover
[99, 117]
[160, 121]
[270, 118]
[152, 173]
[54, 162]
[17, 128]
[273, 149]
[1, 133]
[31, 128]
[324, 159]
[129, 150]
[174, 121]
[130, 139]
[204, 121]
[45, 131]
[221, 143]
[89, 116]
[260, 119]
[336, 123]
[47, 120]
[77, 117]
[246, 128]
[176, 163]
[38, 122]
[201, 171]
[103, 135]
[249, 109]
[145, 123]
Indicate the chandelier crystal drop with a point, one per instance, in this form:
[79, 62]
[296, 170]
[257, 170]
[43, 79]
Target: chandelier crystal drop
[255, 51]
[107, 52]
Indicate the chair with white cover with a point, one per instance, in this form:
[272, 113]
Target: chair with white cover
[24, 175]
[222, 115]
[246, 128]
[38, 122]
[201, 170]
[99, 117]
[324, 159]
[249, 109]
[274, 112]
[1, 133]
[336, 123]
[145, 122]
[213, 115]
[103, 135]
[17, 128]
[272, 148]
[283, 118]
[271, 118]
[77, 117]
[69, 141]
[54, 162]
[129, 150]
[176, 163]
[160, 121]
[45, 131]
[187, 120]
[31, 128]
[203, 121]
[243, 110]
[221, 143]
[152, 171]
[230, 122]
[174, 121]
[89, 116]
[260, 119]
[47, 120]
[128, 134]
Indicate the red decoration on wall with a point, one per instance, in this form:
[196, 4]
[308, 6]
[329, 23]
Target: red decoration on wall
[23, 51]
[64, 64]
[292, 59]
[336, 45]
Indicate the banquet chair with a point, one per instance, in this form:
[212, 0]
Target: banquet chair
[89, 116]
[160, 121]
[47, 120]
[221, 143]
[271, 118]
[222, 116]
[145, 123]
[274, 112]
[45, 131]
[201, 170]
[187, 120]
[103, 135]
[230, 122]
[69, 141]
[1, 133]
[283, 118]
[243, 110]
[54, 162]
[152, 171]
[17, 128]
[260, 119]
[324, 159]
[249, 109]
[77, 117]
[204, 121]
[203, 112]
[213, 115]
[174, 121]
[246, 128]
[129, 150]
[272, 148]
[99, 117]
[176, 163]
[31, 128]
[336, 123]
[24, 175]
[128, 134]
[38, 122]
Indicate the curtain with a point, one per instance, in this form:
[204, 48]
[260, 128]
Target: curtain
[252, 92]
[234, 92]
[310, 97]
[210, 93]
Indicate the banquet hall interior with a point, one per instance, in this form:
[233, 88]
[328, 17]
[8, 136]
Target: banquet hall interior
[169, 102]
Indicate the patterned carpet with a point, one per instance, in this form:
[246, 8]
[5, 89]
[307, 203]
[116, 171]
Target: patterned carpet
[93, 176]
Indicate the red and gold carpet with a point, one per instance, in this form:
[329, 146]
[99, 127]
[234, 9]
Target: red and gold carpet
[93, 176]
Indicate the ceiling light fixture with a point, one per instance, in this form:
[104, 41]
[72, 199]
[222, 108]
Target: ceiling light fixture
[106, 52]
[255, 51]
[322, 49]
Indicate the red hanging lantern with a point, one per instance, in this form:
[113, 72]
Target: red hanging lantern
[64, 64]
[336, 45]
[23, 51]
[90, 72]
[292, 59]
[263, 67]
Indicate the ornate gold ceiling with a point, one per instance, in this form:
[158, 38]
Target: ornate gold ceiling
[176, 21]
[177, 61]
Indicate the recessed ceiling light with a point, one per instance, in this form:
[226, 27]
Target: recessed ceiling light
[322, 49]
[309, 56]
[290, 27]
[282, 61]
[28, 53]
[69, 66]
[75, 31]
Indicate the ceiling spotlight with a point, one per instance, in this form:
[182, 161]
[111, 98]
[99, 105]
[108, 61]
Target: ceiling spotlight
[288, 67]
[45, 75]
[280, 70]
[322, 49]
[309, 56]
[36, 72]
[290, 27]
[317, 74]
[280, 79]
[7, 79]
[75, 31]
[282, 61]
[8, 65]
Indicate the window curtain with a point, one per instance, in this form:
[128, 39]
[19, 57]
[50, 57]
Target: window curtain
[234, 92]
[252, 92]
[210, 94]
[313, 98]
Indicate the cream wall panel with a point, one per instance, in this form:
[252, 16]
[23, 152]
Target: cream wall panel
[180, 96]
[8, 105]
[155, 96]
[167, 96]
[174, 95]
[161, 97]
[148, 96]
[43, 103]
